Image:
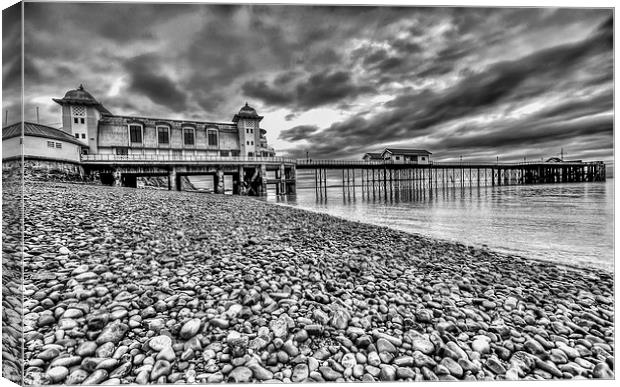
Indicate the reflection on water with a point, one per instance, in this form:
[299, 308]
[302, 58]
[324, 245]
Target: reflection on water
[571, 222]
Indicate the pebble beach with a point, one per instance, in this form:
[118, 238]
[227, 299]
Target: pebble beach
[145, 286]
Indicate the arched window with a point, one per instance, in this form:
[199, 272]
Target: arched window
[135, 133]
[212, 137]
[163, 135]
[189, 136]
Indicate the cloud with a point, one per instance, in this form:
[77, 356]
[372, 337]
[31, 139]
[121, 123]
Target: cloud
[318, 89]
[161, 89]
[300, 132]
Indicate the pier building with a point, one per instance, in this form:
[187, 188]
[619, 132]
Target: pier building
[401, 156]
[103, 133]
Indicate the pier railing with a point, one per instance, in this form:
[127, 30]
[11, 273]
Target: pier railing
[454, 164]
[183, 158]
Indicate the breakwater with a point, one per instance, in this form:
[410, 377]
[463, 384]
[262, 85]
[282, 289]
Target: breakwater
[126, 285]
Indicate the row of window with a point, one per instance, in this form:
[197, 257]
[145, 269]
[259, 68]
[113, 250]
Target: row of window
[249, 142]
[76, 119]
[163, 135]
[178, 152]
[77, 135]
[52, 144]
[249, 131]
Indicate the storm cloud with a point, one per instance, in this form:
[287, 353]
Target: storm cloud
[334, 81]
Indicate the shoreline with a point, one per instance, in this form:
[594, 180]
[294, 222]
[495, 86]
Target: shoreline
[479, 246]
[159, 286]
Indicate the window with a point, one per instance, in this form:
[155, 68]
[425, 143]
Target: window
[247, 143]
[397, 157]
[83, 135]
[58, 145]
[50, 144]
[251, 142]
[224, 153]
[234, 153]
[122, 151]
[84, 151]
[423, 158]
[188, 136]
[163, 135]
[212, 137]
[77, 135]
[79, 112]
[135, 133]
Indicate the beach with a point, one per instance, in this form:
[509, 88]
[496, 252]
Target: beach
[146, 286]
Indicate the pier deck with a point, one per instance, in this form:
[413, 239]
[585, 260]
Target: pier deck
[249, 174]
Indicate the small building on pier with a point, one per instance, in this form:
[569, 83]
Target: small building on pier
[401, 156]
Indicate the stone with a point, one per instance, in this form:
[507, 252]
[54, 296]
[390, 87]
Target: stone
[160, 368]
[314, 329]
[481, 346]
[300, 373]
[112, 332]
[387, 374]
[240, 374]
[190, 328]
[329, 374]
[405, 373]
[158, 343]
[57, 374]
[87, 348]
[96, 377]
[279, 327]
[420, 343]
[348, 360]
[384, 345]
[105, 350]
[495, 366]
[340, 319]
[76, 377]
[167, 353]
[602, 371]
[452, 366]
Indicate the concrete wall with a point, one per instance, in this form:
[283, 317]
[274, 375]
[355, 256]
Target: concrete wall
[37, 146]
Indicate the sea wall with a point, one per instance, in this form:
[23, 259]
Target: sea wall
[126, 285]
[42, 169]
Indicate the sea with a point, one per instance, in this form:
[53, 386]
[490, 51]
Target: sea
[569, 223]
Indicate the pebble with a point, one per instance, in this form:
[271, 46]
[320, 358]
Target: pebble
[240, 375]
[190, 328]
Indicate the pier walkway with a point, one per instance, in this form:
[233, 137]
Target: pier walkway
[250, 174]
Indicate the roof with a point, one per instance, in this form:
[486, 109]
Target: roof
[373, 155]
[80, 96]
[37, 130]
[407, 152]
[247, 111]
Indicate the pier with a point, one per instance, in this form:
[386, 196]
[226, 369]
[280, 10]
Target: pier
[387, 176]
[250, 174]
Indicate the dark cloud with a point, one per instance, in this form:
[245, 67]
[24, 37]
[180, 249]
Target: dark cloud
[298, 132]
[147, 81]
[413, 115]
[318, 89]
[530, 77]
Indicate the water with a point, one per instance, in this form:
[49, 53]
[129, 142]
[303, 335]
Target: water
[569, 223]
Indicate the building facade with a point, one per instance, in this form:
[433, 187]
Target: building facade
[101, 132]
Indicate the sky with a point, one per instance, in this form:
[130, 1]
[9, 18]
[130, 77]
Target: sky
[334, 82]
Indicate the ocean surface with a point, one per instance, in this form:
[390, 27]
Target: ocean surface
[569, 223]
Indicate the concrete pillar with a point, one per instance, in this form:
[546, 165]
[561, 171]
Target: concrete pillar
[239, 184]
[291, 187]
[281, 180]
[219, 181]
[263, 180]
[117, 178]
[174, 181]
